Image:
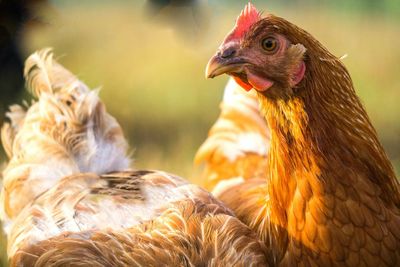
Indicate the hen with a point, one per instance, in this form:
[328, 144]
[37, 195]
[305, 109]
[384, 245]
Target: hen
[64, 204]
[332, 198]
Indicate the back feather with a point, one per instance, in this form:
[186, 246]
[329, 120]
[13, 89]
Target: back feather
[44, 75]
[66, 131]
[238, 143]
[16, 115]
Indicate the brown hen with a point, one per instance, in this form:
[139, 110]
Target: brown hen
[69, 199]
[331, 198]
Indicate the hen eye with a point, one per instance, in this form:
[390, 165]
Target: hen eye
[269, 44]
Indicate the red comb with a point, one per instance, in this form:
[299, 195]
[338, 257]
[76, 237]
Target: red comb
[247, 17]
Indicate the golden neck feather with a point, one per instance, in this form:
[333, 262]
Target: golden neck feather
[322, 133]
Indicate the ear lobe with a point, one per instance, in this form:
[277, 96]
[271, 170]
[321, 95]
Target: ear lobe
[297, 67]
[299, 74]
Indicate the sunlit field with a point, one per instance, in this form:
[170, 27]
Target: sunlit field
[152, 76]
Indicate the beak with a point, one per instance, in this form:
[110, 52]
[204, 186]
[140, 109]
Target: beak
[214, 67]
[224, 61]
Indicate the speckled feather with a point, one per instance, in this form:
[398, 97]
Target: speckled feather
[164, 221]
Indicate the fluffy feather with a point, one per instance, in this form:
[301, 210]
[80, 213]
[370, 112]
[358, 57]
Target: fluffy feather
[16, 115]
[66, 131]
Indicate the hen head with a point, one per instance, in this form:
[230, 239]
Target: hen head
[267, 54]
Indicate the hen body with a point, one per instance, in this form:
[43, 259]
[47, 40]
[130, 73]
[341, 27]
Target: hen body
[331, 197]
[68, 197]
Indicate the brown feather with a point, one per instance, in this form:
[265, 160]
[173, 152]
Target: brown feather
[323, 138]
[190, 232]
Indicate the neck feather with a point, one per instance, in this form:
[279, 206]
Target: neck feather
[320, 135]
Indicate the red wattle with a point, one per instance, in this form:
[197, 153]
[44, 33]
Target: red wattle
[259, 83]
[244, 85]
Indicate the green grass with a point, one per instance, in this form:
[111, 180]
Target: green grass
[152, 78]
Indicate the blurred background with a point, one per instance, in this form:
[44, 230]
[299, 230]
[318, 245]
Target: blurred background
[148, 58]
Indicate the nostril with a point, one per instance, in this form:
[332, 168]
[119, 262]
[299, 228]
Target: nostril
[229, 52]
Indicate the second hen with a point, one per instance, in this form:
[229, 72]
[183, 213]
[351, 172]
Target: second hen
[69, 199]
